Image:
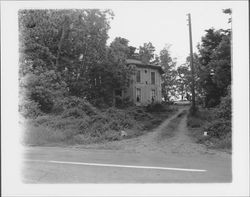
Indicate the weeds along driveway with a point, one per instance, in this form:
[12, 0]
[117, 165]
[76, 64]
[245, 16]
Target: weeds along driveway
[167, 146]
[145, 143]
[171, 137]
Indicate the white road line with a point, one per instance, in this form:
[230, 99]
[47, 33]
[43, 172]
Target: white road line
[120, 166]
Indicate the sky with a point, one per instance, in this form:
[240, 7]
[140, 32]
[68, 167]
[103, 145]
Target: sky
[165, 22]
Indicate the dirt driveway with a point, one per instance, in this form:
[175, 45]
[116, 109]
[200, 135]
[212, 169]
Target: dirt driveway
[179, 144]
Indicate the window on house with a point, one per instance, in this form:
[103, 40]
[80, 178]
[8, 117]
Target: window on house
[138, 76]
[152, 77]
[153, 95]
[138, 94]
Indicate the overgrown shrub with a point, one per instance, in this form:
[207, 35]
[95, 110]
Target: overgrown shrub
[77, 121]
[139, 113]
[43, 120]
[200, 118]
[212, 102]
[44, 98]
[112, 135]
[75, 102]
[124, 103]
[156, 107]
[30, 109]
[218, 128]
[195, 122]
[225, 108]
[73, 112]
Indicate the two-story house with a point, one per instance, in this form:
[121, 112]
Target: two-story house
[145, 84]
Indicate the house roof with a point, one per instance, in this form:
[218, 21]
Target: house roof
[139, 63]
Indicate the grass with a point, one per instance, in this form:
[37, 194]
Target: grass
[218, 130]
[78, 126]
[170, 130]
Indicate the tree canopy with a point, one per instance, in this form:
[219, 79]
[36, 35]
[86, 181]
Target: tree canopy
[170, 73]
[146, 52]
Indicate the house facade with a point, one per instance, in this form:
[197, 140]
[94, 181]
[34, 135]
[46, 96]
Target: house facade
[145, 83]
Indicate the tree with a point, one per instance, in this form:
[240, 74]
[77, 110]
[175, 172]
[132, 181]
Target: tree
[119, 50]
[228, 11]
[57, 49]
[184, 81]
[215, 65]
[169, 77]
[110, 75]
[132, 52]
[146, 52]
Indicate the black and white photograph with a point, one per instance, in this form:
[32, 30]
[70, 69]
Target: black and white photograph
[136, 97]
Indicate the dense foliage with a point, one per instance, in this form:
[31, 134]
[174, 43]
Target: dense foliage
[215, 65]
[64, 53]
[169, 80]
[146, 52]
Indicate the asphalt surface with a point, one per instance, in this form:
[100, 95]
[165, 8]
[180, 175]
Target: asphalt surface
[139, 160]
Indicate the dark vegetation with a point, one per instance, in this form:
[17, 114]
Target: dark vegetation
[216, 122]
[81, 123]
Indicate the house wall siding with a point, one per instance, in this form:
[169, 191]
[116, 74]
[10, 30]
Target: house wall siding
[145, 86]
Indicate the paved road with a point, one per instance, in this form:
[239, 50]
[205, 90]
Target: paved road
[139, 160]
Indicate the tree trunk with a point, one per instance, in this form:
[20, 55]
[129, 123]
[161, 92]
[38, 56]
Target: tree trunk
[59, 46]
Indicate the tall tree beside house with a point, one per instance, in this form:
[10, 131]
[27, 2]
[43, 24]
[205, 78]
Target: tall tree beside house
[119, 50]
[57, 49]
[169, 77]
[132, 54]
[85, 48]
[112, 74]
[215, 65]
[38, 41]
[184, 81]
[213, 69]
[146, 52]
[156, 60]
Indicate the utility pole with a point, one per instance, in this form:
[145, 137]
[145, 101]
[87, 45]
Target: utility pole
[193, 108]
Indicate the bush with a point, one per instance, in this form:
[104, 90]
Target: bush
[30, 109]
[72, 102]
[225, 142]
[212, 102]
[112, 135]
[225, 108]
[199, 118]
[80, 122]
[43, 120]
[194, 122]
[218, 128]
[44, 98]
[123, 102]
[156, 107]
[73, 112]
